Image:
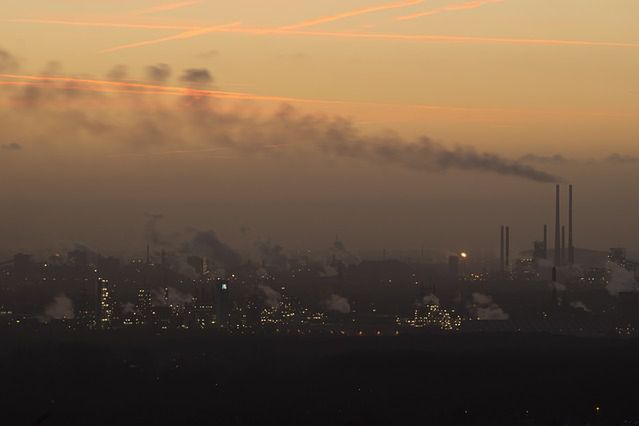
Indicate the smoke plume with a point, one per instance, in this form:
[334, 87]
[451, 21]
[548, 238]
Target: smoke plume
[118, 73]
[430, 299]
[8, 62]
[60, 308]
[207, 244]
[337, 303]
[176, 297]
[12, 146]
[621, 280]
[200, 124]
[272, 254]
[271, 297]
[197, 76]
[484, 308]
[159, 73]
[578, 304]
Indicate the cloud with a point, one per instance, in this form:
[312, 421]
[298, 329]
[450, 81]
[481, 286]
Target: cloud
[118, 73]
[337, 303]
[485, 309]
[8, 62]
[60, 308]
[159, 73]
[197, 76]
[12, 146]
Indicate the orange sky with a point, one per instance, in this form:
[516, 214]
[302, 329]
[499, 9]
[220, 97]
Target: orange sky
[512, 77]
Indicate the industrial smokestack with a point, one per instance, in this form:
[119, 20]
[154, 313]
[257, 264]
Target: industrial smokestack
[507, 247]
[545, 241]
[563, 245]
[557, 230]
[501, 250]
[571, 247]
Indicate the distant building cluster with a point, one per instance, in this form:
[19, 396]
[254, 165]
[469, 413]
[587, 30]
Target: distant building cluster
[565, 290]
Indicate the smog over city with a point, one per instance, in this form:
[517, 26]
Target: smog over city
[350, 212]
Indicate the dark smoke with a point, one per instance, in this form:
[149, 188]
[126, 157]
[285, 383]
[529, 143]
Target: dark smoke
[151, 230]
[159, 73]
[8, 62]
[272, 254]
[13, 146]
[118, 72]
[426, 155]
[544, 159]
[207, 244]
[197, 76]
[621, 159]
[199, 124]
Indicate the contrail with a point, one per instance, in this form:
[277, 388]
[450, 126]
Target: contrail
[446, 38]
[474, 4]
[102, 24]
[123, 87]
[182, 36]
[352, 13]
[360, 35]
[191, 33]
[141, 88]
[165, 7]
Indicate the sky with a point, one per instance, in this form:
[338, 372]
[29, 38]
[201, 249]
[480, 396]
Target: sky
[393, 124]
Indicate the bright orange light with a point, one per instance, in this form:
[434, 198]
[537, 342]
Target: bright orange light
[464, 255]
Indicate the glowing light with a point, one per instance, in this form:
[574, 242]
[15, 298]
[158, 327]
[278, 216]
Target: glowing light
[464, 255]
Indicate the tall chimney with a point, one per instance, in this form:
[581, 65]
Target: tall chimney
[545, 241]
[571, 247]
[563, 245]
[507, 247]
[501, 251]
[557, 230]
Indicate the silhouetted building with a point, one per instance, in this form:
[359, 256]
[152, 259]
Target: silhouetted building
[104, 308]
[222, 301]
[144, 304]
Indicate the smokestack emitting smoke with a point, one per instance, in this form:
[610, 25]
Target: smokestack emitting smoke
[571, 247]
[501, 250]
[557, 230]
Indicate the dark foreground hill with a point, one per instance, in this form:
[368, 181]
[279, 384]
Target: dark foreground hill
[197, 379]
